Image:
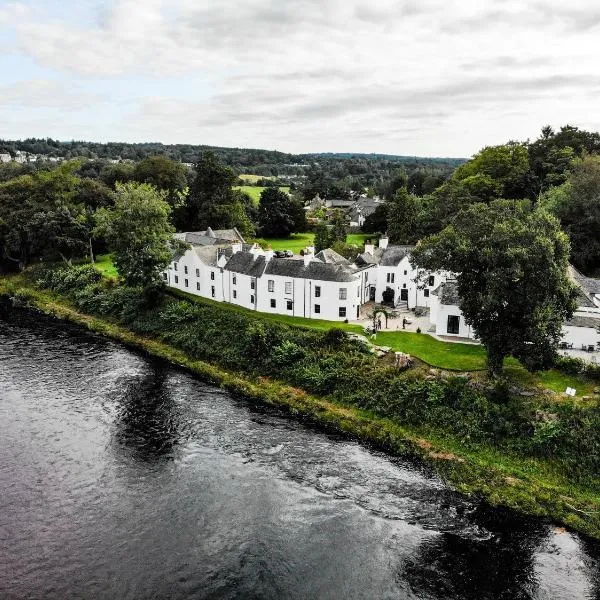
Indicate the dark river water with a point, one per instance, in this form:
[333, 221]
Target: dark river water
[121, 477]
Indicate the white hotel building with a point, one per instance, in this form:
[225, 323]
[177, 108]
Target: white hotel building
[220, 265]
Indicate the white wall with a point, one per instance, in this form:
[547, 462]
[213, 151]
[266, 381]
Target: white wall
[579, 336]
[443, 311]
[176, 277]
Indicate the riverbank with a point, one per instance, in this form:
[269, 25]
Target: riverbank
[532, 486]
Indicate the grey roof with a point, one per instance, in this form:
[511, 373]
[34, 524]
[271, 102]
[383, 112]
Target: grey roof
[340, 203]
[366, 258]
[588, 287]
[211, 237]
[209, 255]
[331, 256]
[246, 263]
[581, 321]
[314, 270]
[392, 255]
[448, 293]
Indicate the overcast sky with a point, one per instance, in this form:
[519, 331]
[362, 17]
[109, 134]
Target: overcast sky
[416, 77]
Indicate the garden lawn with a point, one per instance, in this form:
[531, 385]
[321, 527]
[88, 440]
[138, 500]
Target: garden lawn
[254, 191]
[298, 241]
[105, 265]
[252, 179]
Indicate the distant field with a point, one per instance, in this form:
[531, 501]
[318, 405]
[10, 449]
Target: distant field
[254, 178]
[254, 191]
[298, 241]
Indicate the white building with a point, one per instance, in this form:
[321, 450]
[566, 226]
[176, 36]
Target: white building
[221, 266]
[393, 278]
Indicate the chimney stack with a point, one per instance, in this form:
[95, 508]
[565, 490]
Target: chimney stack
[383, 242]
[369, 247]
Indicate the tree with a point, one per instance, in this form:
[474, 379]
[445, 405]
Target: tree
[339, 224]
[211, 194]
[138, 232]
[92, 194]
[506, 166]
[277, 214]
[511, 270]
[403, 213]
[376, 222]
[164, 174]
[576, 203]
[322, 239]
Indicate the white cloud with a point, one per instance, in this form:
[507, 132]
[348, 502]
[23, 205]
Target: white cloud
[405, 76]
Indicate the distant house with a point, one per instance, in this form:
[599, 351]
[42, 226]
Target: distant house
[5, 157]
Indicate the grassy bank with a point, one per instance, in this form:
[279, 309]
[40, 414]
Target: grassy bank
[254, 191]
[536, 486]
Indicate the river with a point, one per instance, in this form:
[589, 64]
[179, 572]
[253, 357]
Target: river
[122, 477]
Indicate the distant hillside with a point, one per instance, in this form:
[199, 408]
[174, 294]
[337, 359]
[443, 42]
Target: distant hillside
[244, 160]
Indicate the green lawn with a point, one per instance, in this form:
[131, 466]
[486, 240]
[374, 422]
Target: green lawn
[298, 241]
[254, 191]
[105, 265]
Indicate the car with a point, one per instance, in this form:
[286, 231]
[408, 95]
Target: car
[289, 253]
[280, 253]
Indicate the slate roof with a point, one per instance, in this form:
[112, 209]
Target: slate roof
[588, 287]
[448, 293]
[392, 255]
[331, 256]
[246, 263]
[366, 258]
[581, 321]
[314, 270]
[211, 237]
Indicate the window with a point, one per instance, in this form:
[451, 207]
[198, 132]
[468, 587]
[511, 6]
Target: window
[235, 293]
[234, 280]
[165, 276]
[403, 286]
[343, 293]
[431, 279]
[252, 284]
[212, 275]
[252, 299]
[317, 291]
[198, 285]
[174, 266]
[453, 324]
[426, 293]
[212, 291]
[317, 309]
[342, 311]
[290, 305]
[271, 285]
[273, 303]
[185, 269]
[288, 287]
[197, 272]
[185, 282]
[176, 279]
[406, 272]
[390, 277]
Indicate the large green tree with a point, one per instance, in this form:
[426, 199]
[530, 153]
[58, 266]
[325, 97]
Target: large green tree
[278, 214]
[211, 194]
[164, 174]
[403, 216]
[506, 168]
[138, 232]
[577, 205]
[511, 269]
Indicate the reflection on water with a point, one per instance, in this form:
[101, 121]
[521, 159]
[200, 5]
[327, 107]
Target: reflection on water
[124, 478]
